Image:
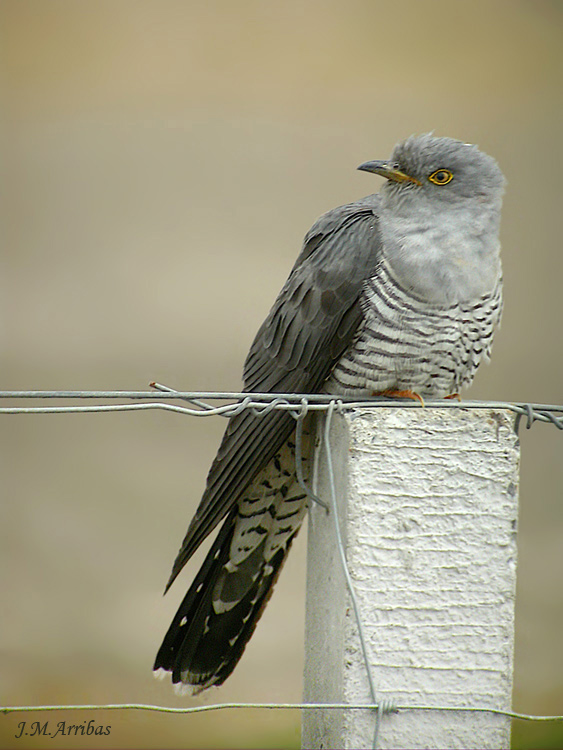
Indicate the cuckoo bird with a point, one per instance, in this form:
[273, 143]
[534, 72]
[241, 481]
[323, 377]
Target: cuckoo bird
[398, 293]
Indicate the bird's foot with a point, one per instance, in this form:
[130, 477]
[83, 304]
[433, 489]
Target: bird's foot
[454, 395]
[390, 393]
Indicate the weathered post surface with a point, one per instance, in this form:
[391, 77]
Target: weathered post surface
[428, 502]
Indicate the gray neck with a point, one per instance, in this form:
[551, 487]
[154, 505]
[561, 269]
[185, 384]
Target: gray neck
[445, 256]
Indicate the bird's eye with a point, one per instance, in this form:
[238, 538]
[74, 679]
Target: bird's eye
[441, 177]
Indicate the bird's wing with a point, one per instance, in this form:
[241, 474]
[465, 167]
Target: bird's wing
[312, 322]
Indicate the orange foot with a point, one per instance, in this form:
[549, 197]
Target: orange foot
[454, 395]
[390, 393]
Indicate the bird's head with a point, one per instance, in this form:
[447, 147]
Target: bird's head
[439, 171]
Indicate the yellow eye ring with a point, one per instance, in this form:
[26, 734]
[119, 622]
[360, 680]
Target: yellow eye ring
[441, 177]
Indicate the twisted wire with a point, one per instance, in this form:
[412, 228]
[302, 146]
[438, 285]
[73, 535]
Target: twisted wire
[261, 403]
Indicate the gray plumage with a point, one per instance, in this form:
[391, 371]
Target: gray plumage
[399, 291]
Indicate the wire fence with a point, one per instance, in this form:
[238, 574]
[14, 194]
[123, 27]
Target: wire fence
[260, 403]
[299, 405]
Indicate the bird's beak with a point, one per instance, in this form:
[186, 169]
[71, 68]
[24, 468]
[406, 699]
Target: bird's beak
[388, 170]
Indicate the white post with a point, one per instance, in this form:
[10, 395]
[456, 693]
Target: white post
[428, 510]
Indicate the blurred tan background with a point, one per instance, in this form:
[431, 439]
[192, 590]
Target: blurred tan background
[161, 163]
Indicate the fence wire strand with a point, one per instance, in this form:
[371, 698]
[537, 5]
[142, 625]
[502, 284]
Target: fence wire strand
[273, 706]
[299, 405]
[260, 403]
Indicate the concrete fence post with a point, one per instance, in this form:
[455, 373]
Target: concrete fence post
[427, 501]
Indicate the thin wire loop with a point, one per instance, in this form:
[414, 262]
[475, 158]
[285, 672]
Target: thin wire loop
[346, 572]
[300, 417]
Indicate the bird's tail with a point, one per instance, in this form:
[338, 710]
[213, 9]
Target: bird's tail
[224, 603]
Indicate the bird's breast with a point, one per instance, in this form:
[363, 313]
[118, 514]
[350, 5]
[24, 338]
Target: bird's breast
[407, 343]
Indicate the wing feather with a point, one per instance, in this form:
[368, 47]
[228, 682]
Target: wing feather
[311, 323]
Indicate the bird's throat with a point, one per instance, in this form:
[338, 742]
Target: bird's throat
[442, 260]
